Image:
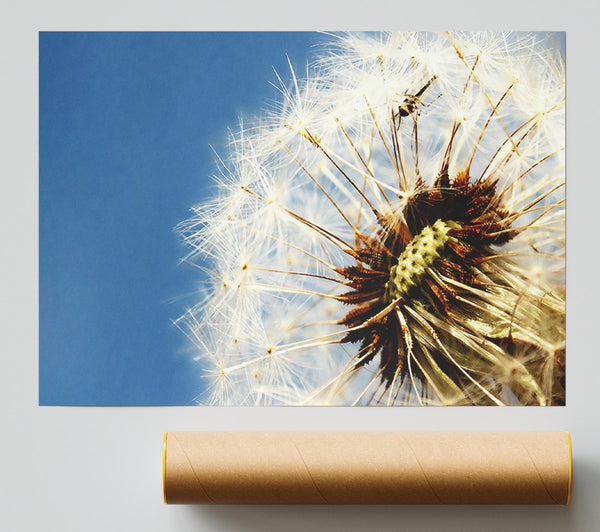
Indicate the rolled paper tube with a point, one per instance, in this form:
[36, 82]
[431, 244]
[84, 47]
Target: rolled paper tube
[367, 467]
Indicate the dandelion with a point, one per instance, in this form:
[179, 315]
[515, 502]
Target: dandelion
[393, 232]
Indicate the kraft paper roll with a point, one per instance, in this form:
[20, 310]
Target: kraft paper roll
[367, 467]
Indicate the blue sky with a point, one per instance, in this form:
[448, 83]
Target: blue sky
[126, 123]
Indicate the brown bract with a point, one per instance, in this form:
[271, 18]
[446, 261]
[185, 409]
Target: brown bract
[378, 326]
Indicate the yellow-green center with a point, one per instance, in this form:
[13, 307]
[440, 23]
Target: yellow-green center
[420, 253]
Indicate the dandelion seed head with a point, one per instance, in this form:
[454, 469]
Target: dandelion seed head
[392, 231]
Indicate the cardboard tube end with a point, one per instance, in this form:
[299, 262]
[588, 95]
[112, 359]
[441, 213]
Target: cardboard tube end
[570, 467]
[164, 467]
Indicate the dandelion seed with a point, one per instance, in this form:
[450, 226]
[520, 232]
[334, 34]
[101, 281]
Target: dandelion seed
[394, 232]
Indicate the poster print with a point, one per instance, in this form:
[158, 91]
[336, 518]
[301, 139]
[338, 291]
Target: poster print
[391, 231]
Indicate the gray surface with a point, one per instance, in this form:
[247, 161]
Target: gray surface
[97, 469]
